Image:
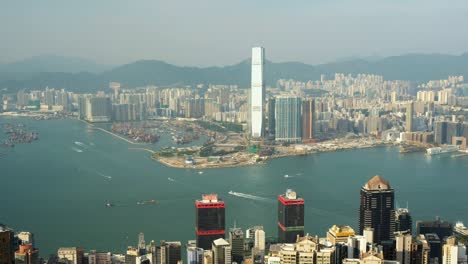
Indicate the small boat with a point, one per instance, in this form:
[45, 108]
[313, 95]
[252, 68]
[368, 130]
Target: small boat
[200, 172]
[286, 176]
[108, 204]
[170, 179]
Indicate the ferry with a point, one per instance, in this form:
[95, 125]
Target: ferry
[441, 150]
[460, 229]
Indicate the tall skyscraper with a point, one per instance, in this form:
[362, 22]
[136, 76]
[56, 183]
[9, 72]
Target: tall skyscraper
[290, 217]
[409, 117]
[288, 119]
[377, 209]
[141, 244]
[257, 94]
[308, 109]
[236, 240]
[7, 251]
[403, 220]
[210, 217]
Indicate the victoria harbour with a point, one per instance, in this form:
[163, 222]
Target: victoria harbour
[59, 185]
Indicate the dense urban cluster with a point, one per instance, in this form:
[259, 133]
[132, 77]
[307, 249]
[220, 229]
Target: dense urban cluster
[345, 105]
[431, 114]
[385, 235]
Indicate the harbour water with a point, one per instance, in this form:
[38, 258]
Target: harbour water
[58, 187]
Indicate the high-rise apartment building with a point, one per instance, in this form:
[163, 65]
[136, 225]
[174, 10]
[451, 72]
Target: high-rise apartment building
[377, 209]
[210, 220]
[98, 109]
[290, 217]
[259, 241]
[271, 117]
[257, 94]
[403, 241]
[221, 252]
[194, 254]
[454, 253]
[288, 119]
[308, 109]
[95, 257]
[73, 255]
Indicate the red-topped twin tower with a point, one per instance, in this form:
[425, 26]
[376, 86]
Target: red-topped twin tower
[290, 217]
[210, 217]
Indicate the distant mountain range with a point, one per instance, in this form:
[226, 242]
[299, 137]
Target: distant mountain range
[52, 63]
[84, 76]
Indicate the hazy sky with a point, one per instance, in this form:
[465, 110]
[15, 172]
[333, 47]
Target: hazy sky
[220, 32]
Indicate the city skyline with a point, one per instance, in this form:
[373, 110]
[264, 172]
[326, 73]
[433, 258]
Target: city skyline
[165, 120]
[188, 40]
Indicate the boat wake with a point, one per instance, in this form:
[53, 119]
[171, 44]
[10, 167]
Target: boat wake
[249, 196]
[77, 150]
[104, 175]
[81, 144]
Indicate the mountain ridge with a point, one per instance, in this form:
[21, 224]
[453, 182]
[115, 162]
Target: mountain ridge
[413, 67]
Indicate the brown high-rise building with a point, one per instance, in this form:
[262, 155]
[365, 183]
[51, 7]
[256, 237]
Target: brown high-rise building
[7, 252]
[377, 209]
[308, 109]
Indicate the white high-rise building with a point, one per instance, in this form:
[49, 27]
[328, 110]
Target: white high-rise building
[454, 253]
[257, 94]
[260, 239]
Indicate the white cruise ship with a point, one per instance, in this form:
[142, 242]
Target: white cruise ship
[441, 150]
[460, 229]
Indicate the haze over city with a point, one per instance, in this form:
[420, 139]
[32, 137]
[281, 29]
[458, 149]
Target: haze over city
[234, 132]
[206, 33]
